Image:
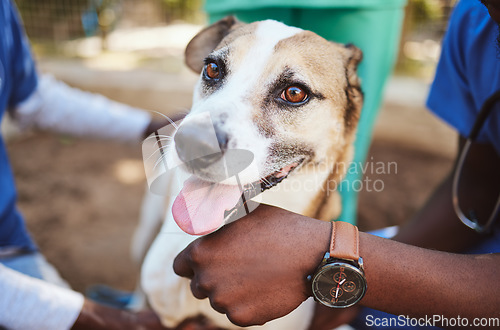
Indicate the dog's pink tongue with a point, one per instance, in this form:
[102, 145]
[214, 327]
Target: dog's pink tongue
[200, 206]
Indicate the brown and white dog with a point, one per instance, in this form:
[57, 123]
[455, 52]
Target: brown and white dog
[292, 100]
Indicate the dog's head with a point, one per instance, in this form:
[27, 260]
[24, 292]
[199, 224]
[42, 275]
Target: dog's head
[272, 97]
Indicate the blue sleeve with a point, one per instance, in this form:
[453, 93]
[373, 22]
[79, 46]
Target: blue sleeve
[23, 68]
[454, 95]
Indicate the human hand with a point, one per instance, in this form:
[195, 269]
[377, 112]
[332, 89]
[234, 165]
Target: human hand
[255, 269]
[326, 318]
[96, 317]
[199, 322]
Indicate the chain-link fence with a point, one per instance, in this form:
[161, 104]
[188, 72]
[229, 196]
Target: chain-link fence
[57, 20]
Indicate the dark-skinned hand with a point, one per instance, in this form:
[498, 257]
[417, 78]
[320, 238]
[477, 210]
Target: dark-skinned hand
[235, 269]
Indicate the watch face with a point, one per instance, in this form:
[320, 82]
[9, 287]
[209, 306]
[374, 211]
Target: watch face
[339, 284]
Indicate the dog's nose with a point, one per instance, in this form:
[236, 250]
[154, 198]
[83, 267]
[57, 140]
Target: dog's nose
[196, 145]
[222, 139]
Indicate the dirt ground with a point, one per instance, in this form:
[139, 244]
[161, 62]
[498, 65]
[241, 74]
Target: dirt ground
[81, 199]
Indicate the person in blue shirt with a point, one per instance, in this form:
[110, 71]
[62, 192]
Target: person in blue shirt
[435, 267]
[32, 294]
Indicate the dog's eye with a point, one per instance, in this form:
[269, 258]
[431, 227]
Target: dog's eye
[294, 94]
[212, 70]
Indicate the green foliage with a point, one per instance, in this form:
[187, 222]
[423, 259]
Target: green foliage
[426, 10]
[187, 10]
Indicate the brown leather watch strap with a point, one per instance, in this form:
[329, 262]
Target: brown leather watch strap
[345, 241]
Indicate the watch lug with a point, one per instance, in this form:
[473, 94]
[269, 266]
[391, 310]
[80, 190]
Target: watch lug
[361, 264]
[322, 263]
[326, 256]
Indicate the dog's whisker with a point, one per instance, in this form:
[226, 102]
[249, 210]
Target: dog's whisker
[154, 153]
[166, 117]
[160, 160]
[163, 150]
[164, 139]
[159, 137]
[253, 185]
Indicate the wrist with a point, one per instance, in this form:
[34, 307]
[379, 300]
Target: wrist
[96, 317]
[315, 249]
[300, 241]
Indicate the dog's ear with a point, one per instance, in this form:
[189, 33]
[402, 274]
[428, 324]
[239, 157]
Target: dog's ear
[206, 40]
[354, 55]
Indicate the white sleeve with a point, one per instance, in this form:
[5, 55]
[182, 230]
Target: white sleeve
[57, 107]
[30, 303]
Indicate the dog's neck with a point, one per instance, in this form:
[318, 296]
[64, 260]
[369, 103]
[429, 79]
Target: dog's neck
[312, 189]
[298, 192]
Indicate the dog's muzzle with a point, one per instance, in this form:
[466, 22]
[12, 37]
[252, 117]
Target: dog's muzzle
[253, 189]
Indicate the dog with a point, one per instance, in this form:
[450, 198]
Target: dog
[284, 103]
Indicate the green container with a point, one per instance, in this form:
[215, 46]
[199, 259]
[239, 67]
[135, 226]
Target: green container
[372, 25]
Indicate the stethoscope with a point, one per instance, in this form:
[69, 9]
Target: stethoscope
[471, 221]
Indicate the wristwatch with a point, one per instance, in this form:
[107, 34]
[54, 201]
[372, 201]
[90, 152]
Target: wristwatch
[339, 280]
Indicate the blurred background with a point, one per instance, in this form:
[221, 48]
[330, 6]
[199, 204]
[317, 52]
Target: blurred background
[81, 198]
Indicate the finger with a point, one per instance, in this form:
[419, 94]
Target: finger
[182, 263]
[217, 304]
[197, 290]
[148, 319]
[242, 316]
